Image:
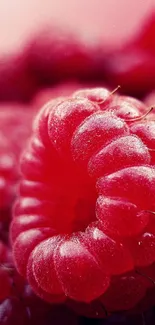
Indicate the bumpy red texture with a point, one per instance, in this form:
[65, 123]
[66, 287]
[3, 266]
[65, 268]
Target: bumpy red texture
[81, 223]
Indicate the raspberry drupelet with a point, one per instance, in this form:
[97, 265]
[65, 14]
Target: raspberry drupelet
[82, 221]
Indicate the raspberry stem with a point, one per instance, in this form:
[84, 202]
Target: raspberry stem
[111, 93]
[152, 212]
[140, 117]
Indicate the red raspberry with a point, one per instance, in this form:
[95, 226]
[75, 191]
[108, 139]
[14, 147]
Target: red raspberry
[132, 66]
[15, 127]
[16, 81]
[125, 292]
[85, 200]
[10, 280]
[12, 312]
[55, 55]
[5, 284]
[7, 173]
[145, 38]
[5, 254]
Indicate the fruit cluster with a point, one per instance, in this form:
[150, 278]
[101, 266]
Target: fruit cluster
[77, 182]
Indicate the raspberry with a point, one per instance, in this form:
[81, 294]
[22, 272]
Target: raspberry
[133, 69]
[12, 281]
[15, 127]
[11, 286]
[5, 281]
[56, 55]
[16, 81]
[6, 258]
[132, 65]
[145, 37]
[86, 196]
[7, 173]
[9, 312]
[3, 253]
[15, 120]
[124, 293]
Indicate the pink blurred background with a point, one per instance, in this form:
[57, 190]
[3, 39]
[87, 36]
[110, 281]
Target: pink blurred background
[114, 20]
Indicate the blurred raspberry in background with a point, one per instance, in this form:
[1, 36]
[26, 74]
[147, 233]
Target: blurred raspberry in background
[113, 20]
[76, 40]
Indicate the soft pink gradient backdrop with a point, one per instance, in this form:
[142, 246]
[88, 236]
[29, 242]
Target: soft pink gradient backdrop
[113, 19]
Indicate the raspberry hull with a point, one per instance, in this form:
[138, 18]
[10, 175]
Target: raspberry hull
[82, 223]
